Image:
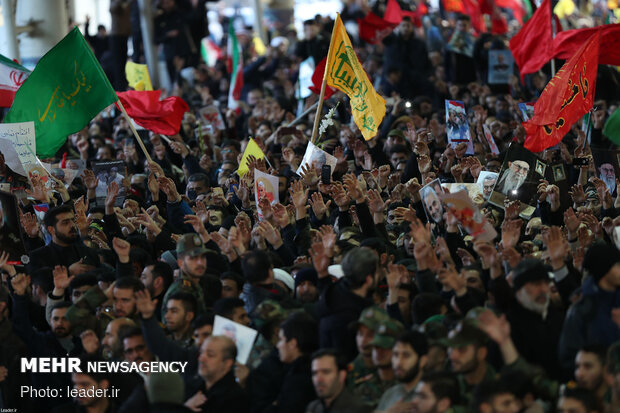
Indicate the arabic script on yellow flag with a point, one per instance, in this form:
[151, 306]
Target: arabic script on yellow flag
[138, 76]
[344, 71]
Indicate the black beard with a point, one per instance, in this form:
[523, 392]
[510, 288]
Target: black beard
[68, 239]
[411, 374]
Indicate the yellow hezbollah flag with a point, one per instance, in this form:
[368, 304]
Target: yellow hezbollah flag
[138, 76]
[344, 72]
[251, 149]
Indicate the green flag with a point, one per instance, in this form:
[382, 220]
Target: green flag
[612, 127]
[65, 91]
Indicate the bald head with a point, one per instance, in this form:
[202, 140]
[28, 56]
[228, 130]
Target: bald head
[111, 345]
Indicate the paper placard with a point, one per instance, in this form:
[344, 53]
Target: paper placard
[241, 335]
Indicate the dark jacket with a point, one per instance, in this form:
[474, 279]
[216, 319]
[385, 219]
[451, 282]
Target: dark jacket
[43, 345]
[589, 321]
[344, 403]
[53, 254]
[296, 389]
[12, 349]
[226, 396]
[263, 383]
[253, 295]
[336, 309]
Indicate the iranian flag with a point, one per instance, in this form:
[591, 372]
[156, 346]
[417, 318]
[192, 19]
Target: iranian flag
[235, 68]
[12, 76]
[210, 52]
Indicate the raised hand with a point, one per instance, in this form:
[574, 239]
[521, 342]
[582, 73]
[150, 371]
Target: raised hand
[339, 195]
[61, 278]
[511, 232]
[198, 226]
[354, 188]
[320, 259]
[39, 191]
[243, 193]
[29, 223]
[309, 176]
[452, 280]
[328, 238]
[169, 188]
[145, 306]
[20, 283]
[557, 247]
[577, 194]
[122, 248]
[375, 203]
[420, 232]
[318, 205]
[511, 209]
[271, 234]
[299, 195]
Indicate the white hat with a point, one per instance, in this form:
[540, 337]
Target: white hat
[285, 277]
[335, 271]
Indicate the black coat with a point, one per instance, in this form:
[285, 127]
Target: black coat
[53, 254]
[226, 396]
[346, 402]
[337, 308]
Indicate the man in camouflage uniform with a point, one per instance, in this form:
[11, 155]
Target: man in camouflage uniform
[192, 260]
[467, 351]
[267, 318]
[362, 367]
[372, 387]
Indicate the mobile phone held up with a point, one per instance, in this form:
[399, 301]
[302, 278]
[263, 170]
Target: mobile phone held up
[326, 174]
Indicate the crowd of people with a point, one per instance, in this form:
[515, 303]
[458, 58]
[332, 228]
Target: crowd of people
[367, 294]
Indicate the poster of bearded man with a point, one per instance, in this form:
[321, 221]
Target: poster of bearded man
[607, 168]
[518, 180]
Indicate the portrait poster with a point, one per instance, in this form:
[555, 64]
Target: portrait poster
[527, 110]
[472, 190]
[106, 173]
[501, 67]
[242, 336]
[468, 215]
[11, 238]
[431, 201]
[486, 182]
[518, 179]
[22, 137]
[210, 115]
[316, 157]
[490, 140]
[457, 127]
[265, 186]
[607, 165]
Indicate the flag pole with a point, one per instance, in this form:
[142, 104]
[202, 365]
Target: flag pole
[317, 118]
[553, 29]
[135, 132]
[303, 115]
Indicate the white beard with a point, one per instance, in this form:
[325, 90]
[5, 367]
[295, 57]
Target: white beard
[527, 302]
[511, 182]
[610, 182]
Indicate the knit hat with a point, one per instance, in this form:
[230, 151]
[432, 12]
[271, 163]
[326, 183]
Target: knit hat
[306, 274]
[527, 271]
[599, 259]
[165, 388]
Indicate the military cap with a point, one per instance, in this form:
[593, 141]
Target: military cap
[371, 317]
[387, 333]
[190, 244]
[466, 333]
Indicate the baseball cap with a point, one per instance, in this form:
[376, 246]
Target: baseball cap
[465, 334]
[371, 317]
[387, 333]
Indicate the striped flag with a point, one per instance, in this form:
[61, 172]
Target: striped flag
[12, 76]
[235, 68]
[210, 52]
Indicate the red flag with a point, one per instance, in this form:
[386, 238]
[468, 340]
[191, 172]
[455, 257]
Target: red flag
[455, 6]
[532, 46]
[373, 29]
[393, 13]
[498, 24]
[566, 98]
[472, 9]
[148, 111]
[317, 80]
[514, 5]
[565, 42]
